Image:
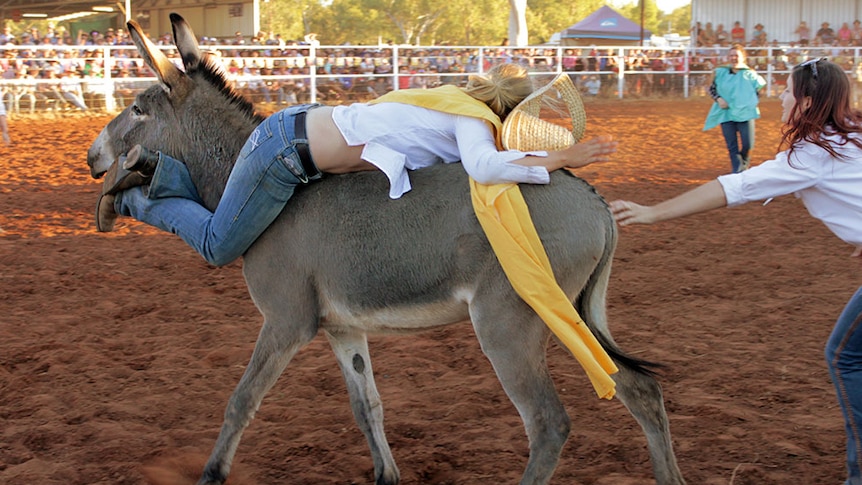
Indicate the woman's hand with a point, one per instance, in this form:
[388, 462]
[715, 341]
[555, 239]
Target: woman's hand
[722, 103]
[857, 253]
[598, 149]
[626, 212]
[701, 199]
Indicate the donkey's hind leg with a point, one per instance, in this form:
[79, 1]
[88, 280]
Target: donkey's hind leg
[351, 350]
[641, 394]
[276, 345]
[514, 339]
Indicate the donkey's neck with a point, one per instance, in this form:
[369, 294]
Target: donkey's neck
[213, 154]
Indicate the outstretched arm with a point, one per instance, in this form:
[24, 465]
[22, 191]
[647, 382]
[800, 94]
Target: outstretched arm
[487, 165]
[701, 199]
[579, 155]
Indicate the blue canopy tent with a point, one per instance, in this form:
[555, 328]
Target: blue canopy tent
[605, 26]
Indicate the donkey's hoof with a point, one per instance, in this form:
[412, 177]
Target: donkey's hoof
[212, 478]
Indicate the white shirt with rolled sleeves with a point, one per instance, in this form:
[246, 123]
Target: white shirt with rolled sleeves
[830, 188]
[401, 137]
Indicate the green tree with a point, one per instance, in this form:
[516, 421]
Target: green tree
[679, 21]
[650, 15]
[412, 19]
[290, 18]
[348, 21]
[656, 20]
[468, 23]
[454, 22]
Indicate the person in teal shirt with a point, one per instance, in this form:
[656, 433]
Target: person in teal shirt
[736, 91]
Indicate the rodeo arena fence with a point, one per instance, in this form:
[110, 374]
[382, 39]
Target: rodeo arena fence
[62, 79]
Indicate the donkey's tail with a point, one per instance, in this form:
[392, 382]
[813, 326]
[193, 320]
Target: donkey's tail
[591, 304]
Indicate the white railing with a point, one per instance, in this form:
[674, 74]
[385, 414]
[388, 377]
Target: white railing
[37, 78]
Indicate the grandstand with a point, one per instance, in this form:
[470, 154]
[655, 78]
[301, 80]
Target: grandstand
[98, 68]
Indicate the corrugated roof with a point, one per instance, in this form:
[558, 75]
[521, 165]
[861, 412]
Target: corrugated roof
[9, 9]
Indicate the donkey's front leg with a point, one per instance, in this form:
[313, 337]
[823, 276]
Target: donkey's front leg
[351, 349]
[276, 345]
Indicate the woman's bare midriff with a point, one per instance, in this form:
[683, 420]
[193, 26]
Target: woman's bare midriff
[330, 151]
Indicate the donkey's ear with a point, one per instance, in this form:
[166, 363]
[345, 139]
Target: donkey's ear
[172, 78]
[186, 42]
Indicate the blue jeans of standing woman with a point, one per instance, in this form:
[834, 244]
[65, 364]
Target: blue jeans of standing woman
[739, 138]
[844, 358]
[266, 173]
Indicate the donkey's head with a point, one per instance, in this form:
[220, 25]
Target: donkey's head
[192, 114]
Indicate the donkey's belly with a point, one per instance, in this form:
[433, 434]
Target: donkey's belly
[338, 314]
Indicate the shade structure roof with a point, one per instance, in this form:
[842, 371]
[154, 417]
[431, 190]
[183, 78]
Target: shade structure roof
[605, 23]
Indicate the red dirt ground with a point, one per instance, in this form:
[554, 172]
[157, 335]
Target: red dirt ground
[118, 351]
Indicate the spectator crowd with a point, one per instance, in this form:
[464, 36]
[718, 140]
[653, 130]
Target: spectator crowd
[56, 71]
[705, 35]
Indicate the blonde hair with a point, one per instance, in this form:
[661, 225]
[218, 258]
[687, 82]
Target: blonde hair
[501, 88]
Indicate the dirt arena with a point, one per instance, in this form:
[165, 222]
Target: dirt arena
[118, 351]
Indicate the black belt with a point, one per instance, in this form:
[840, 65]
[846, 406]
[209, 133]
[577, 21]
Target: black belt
[302, 149]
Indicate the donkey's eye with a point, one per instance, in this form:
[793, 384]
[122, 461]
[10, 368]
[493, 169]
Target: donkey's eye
[136, 110]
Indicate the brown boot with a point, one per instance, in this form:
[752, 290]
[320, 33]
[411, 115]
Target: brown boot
[118, 178]
[142, 161]
[106, 216]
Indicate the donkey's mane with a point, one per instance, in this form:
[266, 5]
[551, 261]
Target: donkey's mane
[210, 71]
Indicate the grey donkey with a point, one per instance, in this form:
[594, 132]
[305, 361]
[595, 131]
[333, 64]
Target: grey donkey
[346, 260]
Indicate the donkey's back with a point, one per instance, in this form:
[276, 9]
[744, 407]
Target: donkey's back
[380, 264]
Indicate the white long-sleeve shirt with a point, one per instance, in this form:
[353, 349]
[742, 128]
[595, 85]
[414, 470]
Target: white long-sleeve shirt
[401, 137]
[830, 188]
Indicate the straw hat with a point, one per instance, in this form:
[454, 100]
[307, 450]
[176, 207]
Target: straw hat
[525, 131]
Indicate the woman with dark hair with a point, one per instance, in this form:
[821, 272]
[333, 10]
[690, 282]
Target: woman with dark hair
[821, 163]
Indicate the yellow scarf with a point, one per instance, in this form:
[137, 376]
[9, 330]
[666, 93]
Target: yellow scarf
[448, 99]
[504, 216]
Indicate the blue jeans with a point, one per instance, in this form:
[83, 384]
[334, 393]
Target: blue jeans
[262, 181]
[739, 148]
[844, 359]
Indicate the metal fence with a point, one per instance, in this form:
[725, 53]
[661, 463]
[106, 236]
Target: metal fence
[62, 79]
